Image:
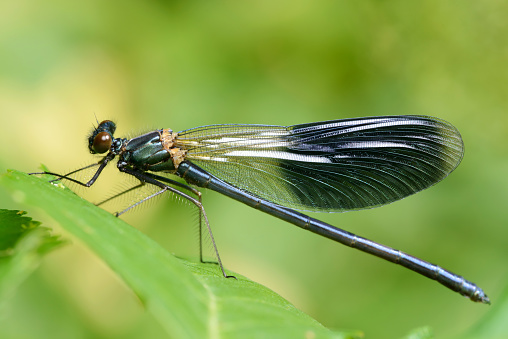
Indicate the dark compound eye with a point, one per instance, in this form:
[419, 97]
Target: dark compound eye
[104, 122]
[102, 142]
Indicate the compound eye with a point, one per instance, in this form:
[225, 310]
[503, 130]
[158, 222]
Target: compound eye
[102, 142]
[104, 122]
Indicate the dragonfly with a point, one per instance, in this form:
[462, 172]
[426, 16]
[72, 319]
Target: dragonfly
[331, 166]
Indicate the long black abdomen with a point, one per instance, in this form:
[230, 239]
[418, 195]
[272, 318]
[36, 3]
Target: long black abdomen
[195, 175]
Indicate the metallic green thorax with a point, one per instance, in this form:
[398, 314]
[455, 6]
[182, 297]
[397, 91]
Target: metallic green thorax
[147, 153]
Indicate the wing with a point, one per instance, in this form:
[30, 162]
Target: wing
[330, 166]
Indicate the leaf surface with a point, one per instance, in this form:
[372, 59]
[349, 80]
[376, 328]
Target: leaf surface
[190, 300]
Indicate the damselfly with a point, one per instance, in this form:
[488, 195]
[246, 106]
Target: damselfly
[330, 166]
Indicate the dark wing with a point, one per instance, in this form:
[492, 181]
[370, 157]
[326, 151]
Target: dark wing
[338, 165]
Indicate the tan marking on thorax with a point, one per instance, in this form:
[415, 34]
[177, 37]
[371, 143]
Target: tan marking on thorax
[168, 143]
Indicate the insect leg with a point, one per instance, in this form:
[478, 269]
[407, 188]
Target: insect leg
[102, 164]
[147, 177]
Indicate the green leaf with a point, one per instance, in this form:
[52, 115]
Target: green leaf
[22, 244]
[12, 226]
[190, 300]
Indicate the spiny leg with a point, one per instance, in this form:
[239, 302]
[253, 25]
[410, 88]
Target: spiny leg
[173, 182]
[117, 214]
[147, 177]
[200, 233]
[64, 176]
[102, 164]
[198, 194]
[201, 236]
[120, 194]
[75, 171]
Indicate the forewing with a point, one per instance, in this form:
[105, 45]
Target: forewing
[329, 166]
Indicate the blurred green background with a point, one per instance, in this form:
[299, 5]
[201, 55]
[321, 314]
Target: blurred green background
[178, 65]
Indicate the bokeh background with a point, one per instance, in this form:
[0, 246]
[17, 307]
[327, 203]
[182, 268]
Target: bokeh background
[182, 64]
